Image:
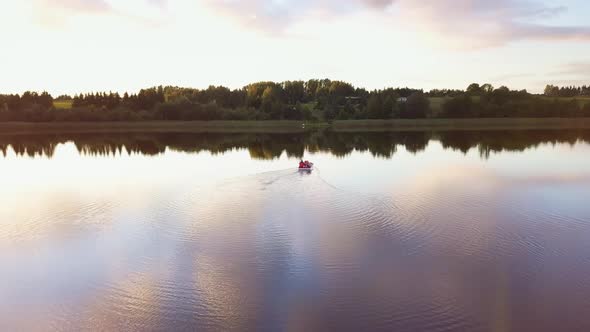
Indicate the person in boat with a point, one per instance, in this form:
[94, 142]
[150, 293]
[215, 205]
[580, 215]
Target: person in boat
[307, 164]
[302, 164]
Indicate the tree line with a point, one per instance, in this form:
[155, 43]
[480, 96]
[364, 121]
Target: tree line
[313, 100]
[485, 101]
[567, 91]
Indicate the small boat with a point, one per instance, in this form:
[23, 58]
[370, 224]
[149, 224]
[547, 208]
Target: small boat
[308, 169]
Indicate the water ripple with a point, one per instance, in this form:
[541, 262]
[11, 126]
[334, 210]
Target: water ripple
[284, 250]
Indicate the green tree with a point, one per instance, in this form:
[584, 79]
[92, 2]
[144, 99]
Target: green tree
[375, 106]
[417, 106]
[271, 102]
[389, 104]
[294, 91]
[458, 107]
[474, 89]
[551, 91]
[487, 88]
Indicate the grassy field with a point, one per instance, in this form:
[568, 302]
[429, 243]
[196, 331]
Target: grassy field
[62, 104]
[292, 126]
[462, 124]
[437, 102]
[159, 126]
[581, 100]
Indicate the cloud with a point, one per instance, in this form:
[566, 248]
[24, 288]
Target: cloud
[277, 15]
[379, 4]
[87, 6]
[575, 73]
[572, 73]
[508, 77]
[482, 23]
[54, 14]
[100, 6]
[574, 69]
[466, 23]
[57, 13]
[158, 3]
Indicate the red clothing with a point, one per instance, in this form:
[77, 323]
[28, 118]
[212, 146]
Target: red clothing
[302, 165]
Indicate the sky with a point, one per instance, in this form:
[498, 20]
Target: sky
[73, 46]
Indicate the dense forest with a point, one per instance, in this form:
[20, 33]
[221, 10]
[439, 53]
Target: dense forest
[313, 100]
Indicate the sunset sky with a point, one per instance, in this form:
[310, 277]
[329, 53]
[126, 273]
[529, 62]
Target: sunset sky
[71, 46]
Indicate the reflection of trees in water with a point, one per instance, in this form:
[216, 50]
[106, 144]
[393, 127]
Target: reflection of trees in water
[31, 146]
[271, 146]
[488, 142]
[379, 144]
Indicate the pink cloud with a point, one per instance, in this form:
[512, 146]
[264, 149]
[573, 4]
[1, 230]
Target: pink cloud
[275, 16]
[482, 23]
[55, 13]
[469, 23]
[452, 23]
[91, 6]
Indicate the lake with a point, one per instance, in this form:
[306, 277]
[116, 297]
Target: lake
[393, 231]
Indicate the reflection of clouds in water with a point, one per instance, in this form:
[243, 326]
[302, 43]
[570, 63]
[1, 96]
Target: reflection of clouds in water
[498, 224]
[52, 218]
[549, 179]
[228, 292]
[446, 249]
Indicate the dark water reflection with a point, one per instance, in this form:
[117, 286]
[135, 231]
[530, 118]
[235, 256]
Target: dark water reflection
[395, 231]
[271, 146]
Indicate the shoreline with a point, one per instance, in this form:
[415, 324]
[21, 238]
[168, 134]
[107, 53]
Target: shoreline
[295, 126]
[463, 124]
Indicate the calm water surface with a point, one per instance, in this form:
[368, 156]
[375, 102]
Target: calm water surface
[478, 231]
